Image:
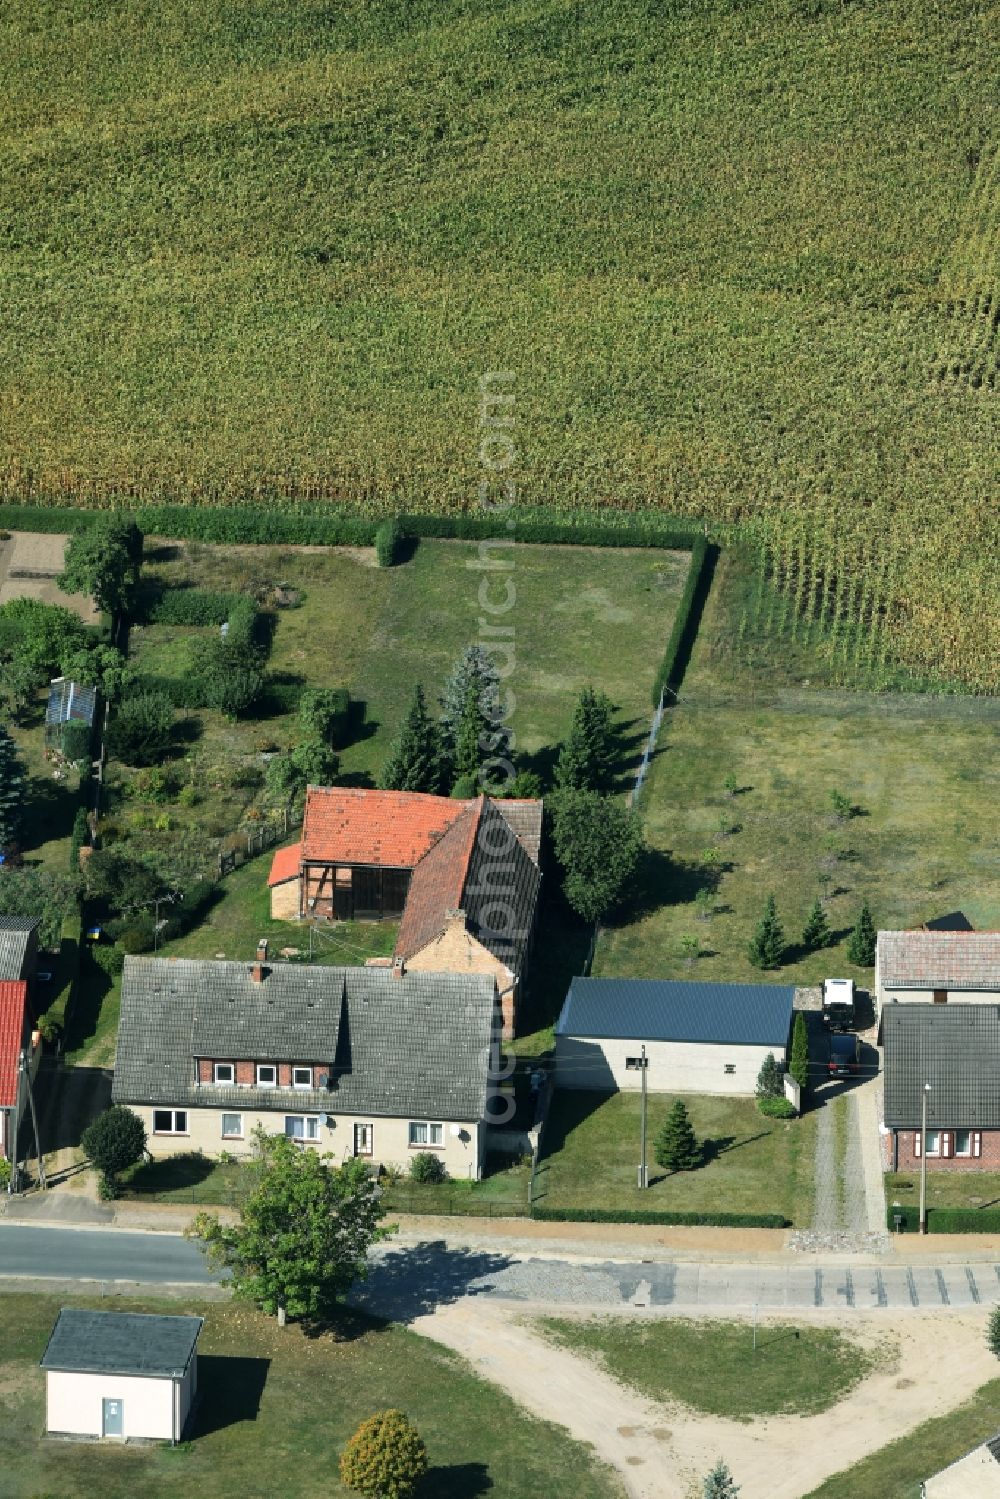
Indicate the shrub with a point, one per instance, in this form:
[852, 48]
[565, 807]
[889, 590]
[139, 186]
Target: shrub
[389, 539]
[640, 1215]
[385, 1458]
[776, 1108]
[945, 1220]
[114, 1141]
[465, 788]
[425, 1166]
[109, 958]
[75, 740]
[142, 728]
[770, 1078]
[183, 606]
[6, 1171]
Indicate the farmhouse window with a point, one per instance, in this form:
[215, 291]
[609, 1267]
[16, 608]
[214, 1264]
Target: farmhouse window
[170, 1122]
[232, 1126]
[267, 1075]
[302, 1077]
[422, 1135]
[224, 1072]
[301, 1127]
[933, 1142]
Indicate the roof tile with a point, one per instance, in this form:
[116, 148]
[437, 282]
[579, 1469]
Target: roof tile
[13, 1008]
[939, 960]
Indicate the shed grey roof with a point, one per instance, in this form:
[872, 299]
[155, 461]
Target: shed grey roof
[416, 1045]
[664, 1010]
[955, 1048]
[939, 960]
[135, 1343]
[15, 944]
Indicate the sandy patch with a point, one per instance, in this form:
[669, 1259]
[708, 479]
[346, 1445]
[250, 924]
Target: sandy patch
[662, 1451]
[41, 556]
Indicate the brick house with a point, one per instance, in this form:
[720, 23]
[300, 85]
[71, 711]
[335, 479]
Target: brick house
[352, 1061]
[936, 967]
[957, 1051]
[462, 877]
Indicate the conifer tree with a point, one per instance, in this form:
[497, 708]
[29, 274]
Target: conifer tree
[11, 790]
[816, 932]
[474, 668]
[767, 945]
[416, 762]
[587, 757]
[798, 1066]
[676, 1148]
[468, 754]
[719, 1484]
[770, 1078]
[861, 946]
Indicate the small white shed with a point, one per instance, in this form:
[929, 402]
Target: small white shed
[121, 1376]
[699, 1038]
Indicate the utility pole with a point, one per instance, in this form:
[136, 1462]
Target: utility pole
[923, 1158]
[643, 1171]
[26, 1074]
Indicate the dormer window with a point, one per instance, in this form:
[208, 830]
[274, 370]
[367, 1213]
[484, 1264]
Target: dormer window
[302, 1077]
[224, 1072]
[267, 1075]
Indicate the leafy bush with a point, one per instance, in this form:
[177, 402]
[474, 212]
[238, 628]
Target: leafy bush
[142, 728]
[109, 958]
[40, 634]
[425, 1166]
[640, 1215]
[389, 539]
[75, 740]
[945, 1220]
[324, 714]
[114, 1141]
[6, 1171]
[776, 1108]
[385, 1458]
[183, 606]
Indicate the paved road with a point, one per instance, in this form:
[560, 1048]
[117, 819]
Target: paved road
[75, 1254]
[408, 1282]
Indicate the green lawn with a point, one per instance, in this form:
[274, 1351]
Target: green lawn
[714, 1367]
[276, 1408]
[898, 1470]
[273, 253]
[920, 770]
[198, 1179]
[756, 1165]
[945, 1189]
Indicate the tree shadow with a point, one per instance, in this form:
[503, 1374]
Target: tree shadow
[171, 1173]
[459, 1481]
[362, 778]
[91, 989]
[542, 763]
[229, 1392]
[662, 880]
[556, 960]
[720, 1145]
[409, 1283]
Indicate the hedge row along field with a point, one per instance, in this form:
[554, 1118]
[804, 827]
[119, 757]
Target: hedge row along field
[727, 250]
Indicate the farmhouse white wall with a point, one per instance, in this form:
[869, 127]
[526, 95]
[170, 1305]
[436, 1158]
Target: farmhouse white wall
[674, 1066]
[390, 1138]
[73, 1404]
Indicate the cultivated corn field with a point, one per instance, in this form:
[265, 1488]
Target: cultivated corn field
[742, 260]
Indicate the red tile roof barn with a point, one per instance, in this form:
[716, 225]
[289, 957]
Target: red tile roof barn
[388, 829]
[285, 865]
[13, 1004]
[437, 884]
[939, 960]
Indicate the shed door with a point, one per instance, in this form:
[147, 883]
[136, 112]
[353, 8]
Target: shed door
[113, 1418]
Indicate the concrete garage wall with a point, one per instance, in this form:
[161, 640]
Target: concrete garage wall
[462, 1158]
[73, 1404]
[674, 1066]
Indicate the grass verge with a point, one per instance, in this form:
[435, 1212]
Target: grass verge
[714, 1366]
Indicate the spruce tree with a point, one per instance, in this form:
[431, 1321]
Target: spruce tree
[861, 946]
[770, 1078]
[415, 763]
[816, 932]
[719, 1484]
[587, 757]
[676, 1148]
[799, 1064]
[474, 668]
[767, 945]
[468, 754]
[11, 791]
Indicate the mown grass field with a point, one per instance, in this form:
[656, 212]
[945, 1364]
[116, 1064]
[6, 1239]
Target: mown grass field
[920, 772]
[714, 1366]
[276, 1408]
[752, 1164]
[741, 260]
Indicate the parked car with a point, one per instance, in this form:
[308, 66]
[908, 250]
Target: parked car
[845, 1055]
[838, 1003]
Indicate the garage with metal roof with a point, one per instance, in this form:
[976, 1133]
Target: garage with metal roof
[699, 1037]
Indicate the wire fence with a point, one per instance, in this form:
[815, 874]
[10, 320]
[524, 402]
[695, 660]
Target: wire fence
[647, 754]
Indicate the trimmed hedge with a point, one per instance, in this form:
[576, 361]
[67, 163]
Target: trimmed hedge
[389, 542]
[326, 527]
[674, 660]
[945, 1220]
[637, 1215]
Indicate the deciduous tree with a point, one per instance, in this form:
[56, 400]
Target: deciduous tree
[305, 1233]
[598, 842]
[104, 561]
[114, 1141]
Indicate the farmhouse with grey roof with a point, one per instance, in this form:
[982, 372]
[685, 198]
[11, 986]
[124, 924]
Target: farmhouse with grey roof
[937, 967]
[363, 1062]
[957, 1051]
[699, 1037]
[18, 946]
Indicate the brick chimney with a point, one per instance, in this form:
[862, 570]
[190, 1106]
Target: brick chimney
[455, 921]
[258, 972]
[398, 968]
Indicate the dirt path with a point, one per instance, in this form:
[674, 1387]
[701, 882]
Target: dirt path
[663, 1451]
